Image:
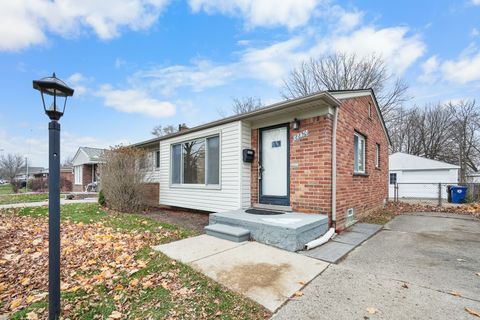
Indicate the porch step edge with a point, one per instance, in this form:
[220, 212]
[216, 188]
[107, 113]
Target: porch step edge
[227, 232]
[272, 207]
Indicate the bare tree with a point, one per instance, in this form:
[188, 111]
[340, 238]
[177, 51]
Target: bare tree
[68, 161]
[10, 166]
[123, 179]
[161, 131]
[446, 132]
[465, 134]
[342, 71]
[246, 104]
[242, 105]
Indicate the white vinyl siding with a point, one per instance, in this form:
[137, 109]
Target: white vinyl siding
[216, 198]
[152, 173]
[246, 168]
[78, 175]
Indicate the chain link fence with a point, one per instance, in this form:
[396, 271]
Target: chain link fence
[429, 193]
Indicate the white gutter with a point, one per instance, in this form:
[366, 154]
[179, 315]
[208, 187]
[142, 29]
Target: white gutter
[334, 168]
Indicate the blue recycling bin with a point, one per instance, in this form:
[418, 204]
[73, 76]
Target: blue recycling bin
[459, 194]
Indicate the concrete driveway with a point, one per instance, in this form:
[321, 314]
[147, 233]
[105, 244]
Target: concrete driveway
[421, 266]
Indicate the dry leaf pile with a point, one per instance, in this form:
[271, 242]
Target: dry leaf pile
[92, 255]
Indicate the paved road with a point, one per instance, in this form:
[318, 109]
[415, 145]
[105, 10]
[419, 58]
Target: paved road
[45, 203]
[406, 271]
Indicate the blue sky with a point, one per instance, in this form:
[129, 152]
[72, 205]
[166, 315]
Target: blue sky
[139, 63]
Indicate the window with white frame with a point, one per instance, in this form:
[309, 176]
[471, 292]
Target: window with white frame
[377, 155]
[78, 174]
[196, 162]
[359, 153]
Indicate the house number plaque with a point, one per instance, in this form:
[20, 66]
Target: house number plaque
[300, 135]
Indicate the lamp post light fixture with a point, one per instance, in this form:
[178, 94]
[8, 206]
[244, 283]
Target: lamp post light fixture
[54, 89]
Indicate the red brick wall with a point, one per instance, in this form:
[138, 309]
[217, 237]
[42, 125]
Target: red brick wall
[310, 167]
[310, 163]
[152, 194]
[363, 193]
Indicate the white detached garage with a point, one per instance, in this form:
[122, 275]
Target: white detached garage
[418, 177]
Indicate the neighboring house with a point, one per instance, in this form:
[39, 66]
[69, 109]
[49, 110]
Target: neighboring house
[418, 177]
[323, 153]
[85, 167]
[66, 178]
[33, 172]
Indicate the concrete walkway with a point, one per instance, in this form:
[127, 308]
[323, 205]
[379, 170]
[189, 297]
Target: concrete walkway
[420, 266]
[265, 274]
[45, 203]
[338, 247]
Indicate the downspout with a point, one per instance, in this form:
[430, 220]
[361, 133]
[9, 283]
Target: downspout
[334, 168]
[331, 232]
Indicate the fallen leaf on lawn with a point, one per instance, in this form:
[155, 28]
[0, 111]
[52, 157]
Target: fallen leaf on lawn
[301, 282]
[472, 312]
[115, 315]
[405, 286]
[298, 293]
[461, 260]
[147, 284]
[32, 316]
[133, 282]
[372, 310]
[455, 293]
[15, 303]
[478, 274]
[36, 242]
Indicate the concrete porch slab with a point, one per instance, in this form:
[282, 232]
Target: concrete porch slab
[289, 231]
[194, 248]
[267, 275]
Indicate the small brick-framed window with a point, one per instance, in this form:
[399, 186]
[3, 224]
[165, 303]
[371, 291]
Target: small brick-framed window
[377, 156]
[359, 153]
[369, 110]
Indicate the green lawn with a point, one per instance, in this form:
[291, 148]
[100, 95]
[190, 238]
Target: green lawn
[22, 197]
[109, 269]
[5, 188]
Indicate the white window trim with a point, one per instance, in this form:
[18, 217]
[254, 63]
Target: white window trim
[195, 185]
[78, 175]
[157, 151]
[377, 155]
[360, 137]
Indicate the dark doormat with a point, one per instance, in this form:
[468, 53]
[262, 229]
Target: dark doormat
[263, 212]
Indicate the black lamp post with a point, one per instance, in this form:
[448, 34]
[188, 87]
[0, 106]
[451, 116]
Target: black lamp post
[53, 88]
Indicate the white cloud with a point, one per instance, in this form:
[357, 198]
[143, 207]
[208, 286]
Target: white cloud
[463, 70]
[430, 69]
[135, 101]
[476, 2]
[264, 13]
[394, 44]
[28, 22]
[475, 32]
[270, 64]
[78, 82]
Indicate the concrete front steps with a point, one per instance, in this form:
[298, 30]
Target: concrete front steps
[227, 232]
[289, 231]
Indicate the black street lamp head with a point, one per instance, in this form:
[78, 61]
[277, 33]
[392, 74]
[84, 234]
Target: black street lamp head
[56, 88]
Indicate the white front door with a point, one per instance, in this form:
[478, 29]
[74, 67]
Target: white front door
[274, 166]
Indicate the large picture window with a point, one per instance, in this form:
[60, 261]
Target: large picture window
[196, 162]
[359, 153]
